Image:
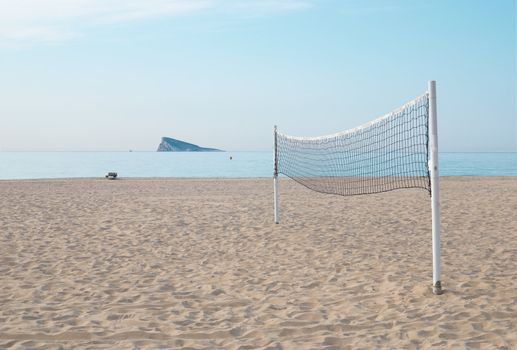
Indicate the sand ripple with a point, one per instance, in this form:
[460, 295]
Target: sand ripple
[198, 264]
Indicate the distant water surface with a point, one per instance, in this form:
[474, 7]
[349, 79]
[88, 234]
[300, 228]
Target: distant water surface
[35, 165]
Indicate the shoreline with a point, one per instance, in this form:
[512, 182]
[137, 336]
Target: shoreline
[169, 178]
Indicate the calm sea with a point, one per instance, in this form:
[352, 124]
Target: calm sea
[35, 165]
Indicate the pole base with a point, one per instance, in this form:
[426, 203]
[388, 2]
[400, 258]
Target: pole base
[437, 288]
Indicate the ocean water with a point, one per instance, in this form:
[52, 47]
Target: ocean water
[37, 165]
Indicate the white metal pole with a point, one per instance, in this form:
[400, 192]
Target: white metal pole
[275, 179]
[275, 183]
[435, 187]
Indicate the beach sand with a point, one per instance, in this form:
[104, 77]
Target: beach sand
[199, 264]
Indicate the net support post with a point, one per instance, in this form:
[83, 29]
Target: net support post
[275, 189]
[275, 179]
[435, 187]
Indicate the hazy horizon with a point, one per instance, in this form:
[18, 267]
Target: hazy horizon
[113, 75]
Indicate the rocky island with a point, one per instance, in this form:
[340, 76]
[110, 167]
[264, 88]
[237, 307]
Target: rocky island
[172, 145]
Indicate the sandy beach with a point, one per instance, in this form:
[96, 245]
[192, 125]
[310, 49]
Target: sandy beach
[199, 264]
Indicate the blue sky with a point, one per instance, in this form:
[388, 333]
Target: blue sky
[119, 75]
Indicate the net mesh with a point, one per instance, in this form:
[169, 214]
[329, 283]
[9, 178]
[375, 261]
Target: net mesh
[388, 153]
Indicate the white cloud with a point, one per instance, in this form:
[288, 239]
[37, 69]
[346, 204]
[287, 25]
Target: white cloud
[269, 5]
[55, 10]
[34, 33]
[25, 21]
